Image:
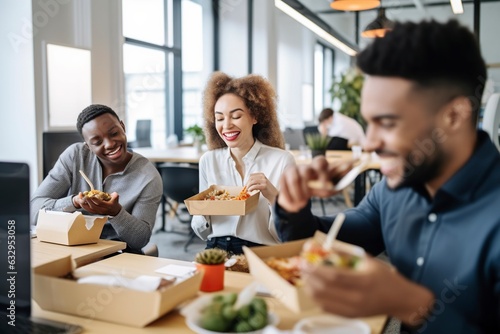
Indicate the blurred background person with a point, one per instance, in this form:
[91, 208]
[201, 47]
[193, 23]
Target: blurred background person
[344, 126]
[325, 120]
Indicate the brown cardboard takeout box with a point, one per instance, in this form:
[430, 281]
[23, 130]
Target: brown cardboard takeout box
[54, 292]
[69, 228]
[293, 297]
[197, 205]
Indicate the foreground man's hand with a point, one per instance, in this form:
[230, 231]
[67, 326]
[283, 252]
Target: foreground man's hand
[375, 288]
[294, 189]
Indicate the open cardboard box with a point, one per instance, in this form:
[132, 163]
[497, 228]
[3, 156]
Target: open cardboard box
[197, 205]
[293, 297]
[69, 228]
[115, 304]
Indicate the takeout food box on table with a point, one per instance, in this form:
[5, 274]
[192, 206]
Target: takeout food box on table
[197, 205]
[69, 228]
[54, 291]
[292, 296]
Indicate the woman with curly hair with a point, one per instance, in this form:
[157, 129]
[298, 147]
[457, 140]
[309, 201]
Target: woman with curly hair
[245, 149]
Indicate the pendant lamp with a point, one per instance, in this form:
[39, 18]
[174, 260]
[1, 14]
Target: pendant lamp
[354, 5]
[379, 26]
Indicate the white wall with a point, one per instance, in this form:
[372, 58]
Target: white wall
[294, 42]
[17, 100]
[295, 58]
[265, 53]
[233, 18]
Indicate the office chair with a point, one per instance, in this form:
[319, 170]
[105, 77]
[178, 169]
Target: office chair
[338, 144]
[142, 134]
[151, 249]
[491, 118]
[54, 143]
[179, 182]
[309, 130]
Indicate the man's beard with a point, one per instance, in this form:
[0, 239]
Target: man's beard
[418, 175]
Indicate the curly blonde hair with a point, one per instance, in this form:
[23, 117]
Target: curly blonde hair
[260, 99]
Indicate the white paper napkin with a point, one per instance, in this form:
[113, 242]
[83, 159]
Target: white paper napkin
[140, 283]
[176, 270]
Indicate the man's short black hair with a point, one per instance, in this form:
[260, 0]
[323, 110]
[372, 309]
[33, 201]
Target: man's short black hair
[91, 112]
[433, 55]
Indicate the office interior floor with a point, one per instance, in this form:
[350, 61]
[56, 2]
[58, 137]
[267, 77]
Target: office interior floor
[171, 243]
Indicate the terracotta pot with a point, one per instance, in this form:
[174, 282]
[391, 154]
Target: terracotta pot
[213, 277]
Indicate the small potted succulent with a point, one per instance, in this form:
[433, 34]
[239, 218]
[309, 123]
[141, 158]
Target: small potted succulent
[211, 262]
[317, 143]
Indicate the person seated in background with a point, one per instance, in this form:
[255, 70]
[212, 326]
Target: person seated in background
[245, 148]
[325, 120]
[340, 125]
[133, 182]
[435, 212]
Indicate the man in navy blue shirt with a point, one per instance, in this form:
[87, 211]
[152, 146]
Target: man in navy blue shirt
[437, 210]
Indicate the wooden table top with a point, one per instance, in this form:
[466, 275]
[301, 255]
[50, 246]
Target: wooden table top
[43, 252]
[174, 322]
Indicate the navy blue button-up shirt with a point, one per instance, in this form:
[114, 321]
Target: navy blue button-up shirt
[449, 244]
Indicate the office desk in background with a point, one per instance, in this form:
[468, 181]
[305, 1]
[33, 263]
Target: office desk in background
[174, 322]
[181, 154]
[43, 252]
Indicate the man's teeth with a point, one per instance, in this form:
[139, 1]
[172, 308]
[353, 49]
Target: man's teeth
[115, 151]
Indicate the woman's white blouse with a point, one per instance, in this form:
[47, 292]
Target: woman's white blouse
[218, 167]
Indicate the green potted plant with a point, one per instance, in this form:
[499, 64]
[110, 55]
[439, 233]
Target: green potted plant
[317, 143]
[196, 132]
[347, 89]
[211, 262]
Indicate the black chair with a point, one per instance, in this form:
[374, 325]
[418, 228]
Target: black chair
[179, 182]
[338, 144]
[142, 134]
[310, 130]
[54, 143]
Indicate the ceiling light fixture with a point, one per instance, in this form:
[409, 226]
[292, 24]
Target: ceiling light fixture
[379, 26]
[354, 5]
[281, 5]
[457, 7]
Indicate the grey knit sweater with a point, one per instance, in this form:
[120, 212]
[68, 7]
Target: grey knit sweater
[139, 187]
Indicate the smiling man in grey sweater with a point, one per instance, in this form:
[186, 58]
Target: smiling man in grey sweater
[133, 182]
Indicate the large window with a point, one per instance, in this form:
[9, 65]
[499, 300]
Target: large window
[163, 65]
[147, 53]
[324, 58]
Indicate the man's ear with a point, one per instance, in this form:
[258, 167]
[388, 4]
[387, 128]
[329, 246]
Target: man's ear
[457, 113]
[123, 126]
